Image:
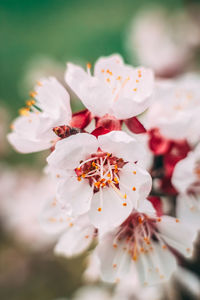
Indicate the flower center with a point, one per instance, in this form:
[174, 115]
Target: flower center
[101, 169]
[136, 233]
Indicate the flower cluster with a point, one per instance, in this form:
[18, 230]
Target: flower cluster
[112, 170]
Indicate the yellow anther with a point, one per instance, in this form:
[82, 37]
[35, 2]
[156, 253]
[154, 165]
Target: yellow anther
[135, 89]
[116, 180]
[125, 196]
[71, 224]
[137, 80]
[24, 111]
[108, 79]
[30, 102]
[108, 175]
[119, 78]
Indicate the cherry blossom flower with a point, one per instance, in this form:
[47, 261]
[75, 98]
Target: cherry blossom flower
[21, 196]
[100, 176]
[186, 179]
[115, 88]
[32, 131]
[75, 234]
[163, 40]
[146, 243]
[176, 107]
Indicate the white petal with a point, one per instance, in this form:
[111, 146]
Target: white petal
[177, 234]
[54, 99]
[183, 175]
[113, 212]
[134, 98]
[122, 145]
[114, 262]
[77, 194]
[24, 145]
[94, 93]
[70, 151]
[76, 239]
[136, 183]
[188, 209]
[54, 218]
[155, 266]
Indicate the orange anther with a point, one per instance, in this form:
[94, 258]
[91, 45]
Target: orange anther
[124, 204]
[99, 209]
[134, 188]
[89, 66]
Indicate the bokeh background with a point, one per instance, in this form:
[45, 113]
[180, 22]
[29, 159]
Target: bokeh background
[38, 38]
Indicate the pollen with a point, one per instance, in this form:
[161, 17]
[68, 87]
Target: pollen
[30, 102]
[109, 72]
[116, 180]
[134, 188]
[119, 78]
[124, 204]
[52, 220]
[24, 111]
[102, 71]
[108, 79]
[83, 175]
[177, 221]
[89, 66]
[93, 164]
[79, 178]
[137, 81]
[125, 196]
[159, 219]
[164, 246]
[11, 126]
[135, 89]
[114, 265]
[58, 175]
[86, 236]
[39, 83]
[99, 209]
[134, 172]
[33, 94]
[115, 246]
[71, 224]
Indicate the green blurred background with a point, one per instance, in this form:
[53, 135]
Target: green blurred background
[58, 30]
